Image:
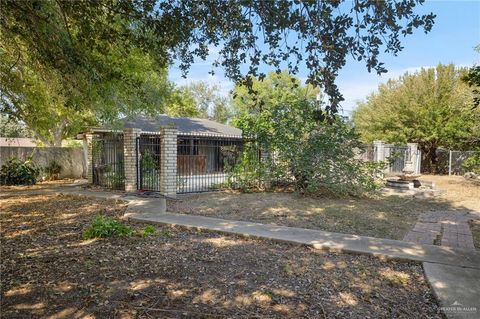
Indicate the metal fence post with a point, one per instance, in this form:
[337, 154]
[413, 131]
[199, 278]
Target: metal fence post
[450, 163]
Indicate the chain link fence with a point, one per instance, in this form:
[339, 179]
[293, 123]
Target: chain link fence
[448, 162]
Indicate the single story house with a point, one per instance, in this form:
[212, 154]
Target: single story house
[204, 151]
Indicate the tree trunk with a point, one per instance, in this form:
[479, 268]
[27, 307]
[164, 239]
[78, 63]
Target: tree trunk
[58, 133]
[429, 159]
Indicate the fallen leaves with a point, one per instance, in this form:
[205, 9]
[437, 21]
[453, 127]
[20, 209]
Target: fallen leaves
[178, 273]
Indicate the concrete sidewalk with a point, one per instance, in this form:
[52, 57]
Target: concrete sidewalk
[454, 274]
[318, 239]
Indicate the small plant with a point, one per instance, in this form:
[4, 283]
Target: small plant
[17, 172]
[53, 170]
[105, 226]
[398, 279]
[148, 230]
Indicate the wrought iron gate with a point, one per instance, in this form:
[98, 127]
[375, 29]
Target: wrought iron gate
[203, 161]
[107, 161]
[148, 162]
[397, 156]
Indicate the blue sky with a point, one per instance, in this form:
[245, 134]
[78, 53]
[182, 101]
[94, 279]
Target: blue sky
[455, 33]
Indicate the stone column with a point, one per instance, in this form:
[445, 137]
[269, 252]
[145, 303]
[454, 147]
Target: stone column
[168, 166]
[130, 158]
[414, 158]
[379, 151]
[87, 148]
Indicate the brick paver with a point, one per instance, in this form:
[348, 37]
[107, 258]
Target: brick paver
[450, 226]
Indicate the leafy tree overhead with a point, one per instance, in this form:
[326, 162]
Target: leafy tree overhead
[431, 107]
[38, 97]
[74, 39]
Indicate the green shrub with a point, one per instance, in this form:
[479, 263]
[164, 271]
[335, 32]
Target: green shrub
[148, 230]
[472, 164]
[17, 172]
[105, 226]
[319, 161]
[53, 170]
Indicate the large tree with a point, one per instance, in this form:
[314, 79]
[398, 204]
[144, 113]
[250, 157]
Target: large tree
[472, 78]
[11, 128]
[432, 107]
[38, 96]
[299, 146]
[209, 101]
[75, 38]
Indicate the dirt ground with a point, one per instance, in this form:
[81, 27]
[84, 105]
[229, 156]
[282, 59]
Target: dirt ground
[464, 195]
[48, 271]
[382, 216]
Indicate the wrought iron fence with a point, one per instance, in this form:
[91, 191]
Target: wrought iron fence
[107, 161]
[396, 157]
[149, 158]
[203, 161]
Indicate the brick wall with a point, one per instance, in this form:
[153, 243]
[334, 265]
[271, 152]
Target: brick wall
[130, 158]
[88, 141]
[168, 171]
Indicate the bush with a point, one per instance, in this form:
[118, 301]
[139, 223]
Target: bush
[105, 226]
[17, 172]
[321, 161]
[53, 170]
[472, 164]
[325, 162]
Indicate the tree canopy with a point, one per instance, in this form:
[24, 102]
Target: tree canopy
[10, 128]
[432, 107]
[472, 78]
[75, 39]
[299, 146]
[209, 102]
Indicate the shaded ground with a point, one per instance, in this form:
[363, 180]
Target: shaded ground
[384, 216]
[47, 269]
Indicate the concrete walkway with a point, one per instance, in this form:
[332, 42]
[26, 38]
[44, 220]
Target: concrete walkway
[453, 273]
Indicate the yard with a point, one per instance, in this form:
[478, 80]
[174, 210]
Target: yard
[382, 216]
[49, 271]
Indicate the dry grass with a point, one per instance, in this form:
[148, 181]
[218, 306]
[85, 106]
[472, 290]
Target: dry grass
[460, 193]
[383, 216]
[49, 271]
